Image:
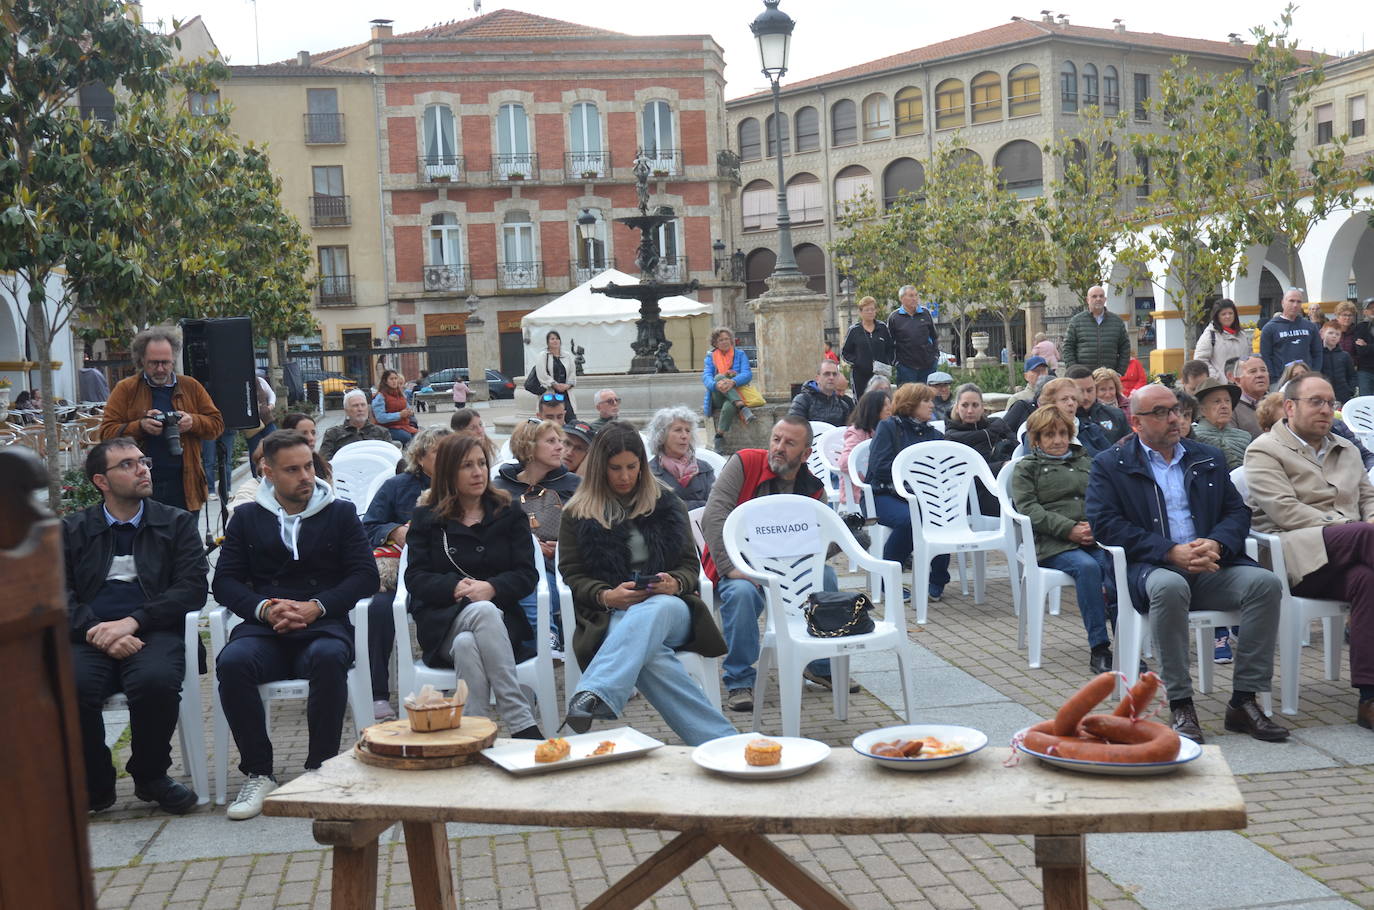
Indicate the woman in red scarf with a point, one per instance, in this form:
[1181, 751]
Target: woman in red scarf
[1221, 340]
[672, 446]
[392, 411]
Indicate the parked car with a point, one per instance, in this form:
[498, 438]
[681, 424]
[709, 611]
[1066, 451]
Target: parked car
[499, 385]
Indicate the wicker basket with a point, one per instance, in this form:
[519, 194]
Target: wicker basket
[435, 717]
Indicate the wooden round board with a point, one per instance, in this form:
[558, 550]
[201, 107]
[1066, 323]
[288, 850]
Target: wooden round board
[395, 738]
[410, 764]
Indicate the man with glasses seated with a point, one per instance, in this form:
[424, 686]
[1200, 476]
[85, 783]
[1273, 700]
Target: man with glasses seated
[607, 409]
[136, 409]
[135, 568]
[1309, 486]
[1169, 502]
[553, 406]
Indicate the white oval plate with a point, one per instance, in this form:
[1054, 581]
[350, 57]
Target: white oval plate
[972, 740]
[726, 756]
[1187, 751]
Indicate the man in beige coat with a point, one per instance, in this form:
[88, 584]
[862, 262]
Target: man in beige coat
[1309, 486]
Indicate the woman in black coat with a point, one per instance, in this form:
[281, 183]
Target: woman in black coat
[990, 437]
[471, 559]
[867, 340]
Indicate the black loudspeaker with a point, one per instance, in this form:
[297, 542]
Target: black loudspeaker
[219, 353]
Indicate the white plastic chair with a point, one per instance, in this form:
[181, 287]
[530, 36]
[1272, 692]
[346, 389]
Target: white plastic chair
[815, 463]
[534, 675]
[829, 446]
[1358, 414]
[372, 447]
[190, 721]
[789, 567]
[877, 533]
[1296, 616]
[935, 478]
[222, 622]
[376, 485]
[818, 429]
[1037, 581]
[355, 472]
[714, 459]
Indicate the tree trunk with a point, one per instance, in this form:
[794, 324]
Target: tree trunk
[1011, 366]
[40, 332]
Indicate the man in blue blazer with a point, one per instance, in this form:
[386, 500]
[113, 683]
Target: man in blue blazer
[294, 562]
[1169, 502]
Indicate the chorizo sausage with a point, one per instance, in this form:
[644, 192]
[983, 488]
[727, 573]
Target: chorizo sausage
[1139, 696]
[1081, 702]
[1129, 742]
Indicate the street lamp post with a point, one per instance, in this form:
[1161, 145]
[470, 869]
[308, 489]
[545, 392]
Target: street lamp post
[773, 31]
[586, 227]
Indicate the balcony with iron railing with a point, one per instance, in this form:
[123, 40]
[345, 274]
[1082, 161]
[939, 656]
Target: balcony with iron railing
[519, 276]
[441, 169]
[330, 211]
[445, 278]
[336, 290]
[514, 167]
[664, 162]
[583, 272]
[586, 165]
[671, 268]
[324, 129]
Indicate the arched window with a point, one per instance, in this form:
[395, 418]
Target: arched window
[513, 154]
[588, 157]
[903, 177]
[807, 121]
[910, 111]
[850, 185]
[986, 90]
[440, 143]
[1020, 168]
[759, 204]
[1107, 151]
[757, 267]
[773, 137]
[966, 156]
[877, 117]
[811, 263]
[949, 104]
[1023, 90]
[591, 251]
[844, 123]
[1111, 92]
[750, 140]
[805, 201]
[659, 146]
[1068, 87]
[1089, 84]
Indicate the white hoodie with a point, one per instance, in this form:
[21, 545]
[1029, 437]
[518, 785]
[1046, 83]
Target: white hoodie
[291, 524]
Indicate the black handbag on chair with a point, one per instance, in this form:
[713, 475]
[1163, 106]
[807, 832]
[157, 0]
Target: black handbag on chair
[834, 614]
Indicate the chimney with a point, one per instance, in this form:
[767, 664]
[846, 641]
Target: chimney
[1047, 16]
[1235, 39]
[381, 28]
[1063, 19]
[303, 58]
[1120, 26]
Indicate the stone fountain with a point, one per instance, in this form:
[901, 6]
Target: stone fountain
[650, 344]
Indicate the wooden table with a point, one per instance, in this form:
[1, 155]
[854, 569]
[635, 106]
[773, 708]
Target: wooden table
[846, 794]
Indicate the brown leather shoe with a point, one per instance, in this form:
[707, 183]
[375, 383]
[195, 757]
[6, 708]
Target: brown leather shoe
[1365, 716]
[1250, 718]
[1185, 723]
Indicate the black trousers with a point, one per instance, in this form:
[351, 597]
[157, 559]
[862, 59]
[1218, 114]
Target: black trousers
[381, 638]
[151, 682]
[247, 661]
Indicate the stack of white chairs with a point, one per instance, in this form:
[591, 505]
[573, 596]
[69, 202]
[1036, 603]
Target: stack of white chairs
[354, 473]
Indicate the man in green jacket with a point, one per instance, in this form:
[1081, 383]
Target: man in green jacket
[1097, 338]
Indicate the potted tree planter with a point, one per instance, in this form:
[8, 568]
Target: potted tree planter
[660, 174]
[515, 175]
[590, 175]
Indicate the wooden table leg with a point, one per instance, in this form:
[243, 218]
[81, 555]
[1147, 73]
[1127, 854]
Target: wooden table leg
[778, 869]
[431, 873]
[354, 883]
[1065, 871]
[645, 880]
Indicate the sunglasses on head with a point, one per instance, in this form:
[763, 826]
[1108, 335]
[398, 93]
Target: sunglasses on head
[553, 396]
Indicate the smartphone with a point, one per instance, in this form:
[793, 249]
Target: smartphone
[641, 582]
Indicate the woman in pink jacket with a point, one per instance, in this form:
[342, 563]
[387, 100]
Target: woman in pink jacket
[872, 407]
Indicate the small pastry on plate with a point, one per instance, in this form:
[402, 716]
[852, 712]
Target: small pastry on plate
[762, 752]
[551, 750]
[605, 747]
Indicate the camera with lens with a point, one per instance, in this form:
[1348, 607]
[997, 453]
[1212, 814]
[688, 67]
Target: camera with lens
[171, 431]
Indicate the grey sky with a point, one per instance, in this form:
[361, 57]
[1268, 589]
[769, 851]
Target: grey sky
[828, 36]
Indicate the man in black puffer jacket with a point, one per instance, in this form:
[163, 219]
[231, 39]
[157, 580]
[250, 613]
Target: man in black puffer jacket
[820, 399]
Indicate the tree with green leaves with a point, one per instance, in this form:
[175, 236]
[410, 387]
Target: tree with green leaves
[1197, 168]
[878, 249]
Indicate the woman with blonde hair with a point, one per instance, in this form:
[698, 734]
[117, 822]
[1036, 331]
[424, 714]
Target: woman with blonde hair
[867, 342]
[626, 551]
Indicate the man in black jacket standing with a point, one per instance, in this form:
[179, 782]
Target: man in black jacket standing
[135, 568]
[914, 338]
[293, 564]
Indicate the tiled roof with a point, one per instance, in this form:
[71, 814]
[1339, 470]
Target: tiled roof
[292, 68]
[510, 23]
[1020, 31]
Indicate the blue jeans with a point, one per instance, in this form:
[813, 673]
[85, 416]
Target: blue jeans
[907, 374]
[531, 604]
[894, 513]
[1090, 568]
[638, 654]
[741, 605]
[402, 436]
[211, 451]
[1365, 380]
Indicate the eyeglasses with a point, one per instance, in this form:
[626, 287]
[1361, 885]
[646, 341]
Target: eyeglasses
[159, 363]
[1319, 402]
[553, 396]
[610, 401]
[1162, 413]
[131, 464]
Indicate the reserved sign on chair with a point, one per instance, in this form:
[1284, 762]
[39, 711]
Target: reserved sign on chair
[790, 529]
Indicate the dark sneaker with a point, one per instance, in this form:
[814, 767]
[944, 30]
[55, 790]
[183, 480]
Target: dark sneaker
[583, 708]
[172, 796]
[741, 699]
[102, 802]
[1221, 650]
[825, 682]
[1250, 718]
[1100, 661]
[935, 592]
[1185, 723]
[1364, 715]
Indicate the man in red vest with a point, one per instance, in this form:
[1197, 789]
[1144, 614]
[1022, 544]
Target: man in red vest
[749, 474]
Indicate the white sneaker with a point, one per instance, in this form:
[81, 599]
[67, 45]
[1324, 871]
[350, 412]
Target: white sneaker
[248, 804]
[382, 710]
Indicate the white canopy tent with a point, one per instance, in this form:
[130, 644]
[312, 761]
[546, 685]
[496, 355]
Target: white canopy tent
[605, 326]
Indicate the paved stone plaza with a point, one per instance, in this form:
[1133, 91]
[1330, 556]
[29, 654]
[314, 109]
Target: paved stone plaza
[1310, 841]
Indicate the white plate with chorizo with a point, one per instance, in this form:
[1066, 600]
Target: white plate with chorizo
[1187, 751]
[940, 745]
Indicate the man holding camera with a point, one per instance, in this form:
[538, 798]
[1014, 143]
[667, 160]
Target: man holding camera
[169, 415]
